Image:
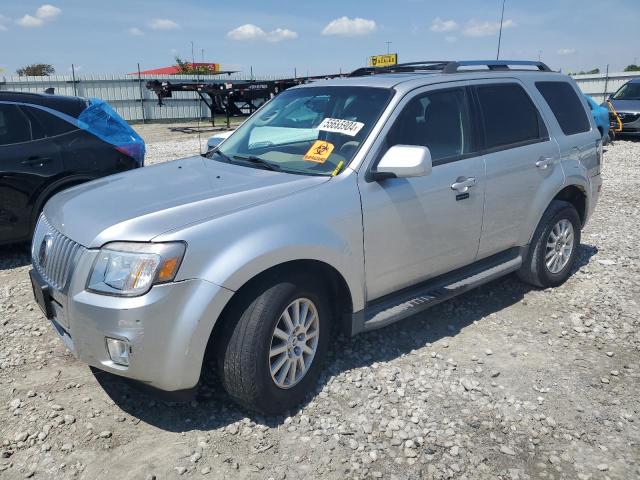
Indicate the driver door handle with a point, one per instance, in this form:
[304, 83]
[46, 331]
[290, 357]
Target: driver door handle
[463, 184]
[544, 162]
[36, 161]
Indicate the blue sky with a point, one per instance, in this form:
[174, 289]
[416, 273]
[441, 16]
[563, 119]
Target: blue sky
[274, 37]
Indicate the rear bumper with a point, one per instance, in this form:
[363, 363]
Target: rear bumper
[596, 188]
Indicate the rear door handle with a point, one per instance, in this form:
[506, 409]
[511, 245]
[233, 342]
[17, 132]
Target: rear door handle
[36, 161]
[544, 162]
[463, 184]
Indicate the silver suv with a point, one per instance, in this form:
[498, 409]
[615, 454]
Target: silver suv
[346, 204]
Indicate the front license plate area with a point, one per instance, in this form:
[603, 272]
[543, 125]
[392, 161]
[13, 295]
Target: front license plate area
[41, 294]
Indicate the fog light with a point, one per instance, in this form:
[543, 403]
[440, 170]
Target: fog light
[118, 351]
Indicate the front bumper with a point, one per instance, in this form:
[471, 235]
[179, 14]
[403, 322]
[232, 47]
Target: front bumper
[167, 329]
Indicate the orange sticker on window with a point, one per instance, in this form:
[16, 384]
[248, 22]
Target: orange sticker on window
[319, 152]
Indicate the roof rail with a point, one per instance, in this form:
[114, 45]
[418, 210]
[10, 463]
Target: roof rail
[423, 66]
[453, 67]
[447, 66]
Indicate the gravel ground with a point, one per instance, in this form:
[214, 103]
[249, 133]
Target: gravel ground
[503, 382]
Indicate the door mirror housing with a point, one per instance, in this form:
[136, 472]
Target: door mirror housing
[404, 161]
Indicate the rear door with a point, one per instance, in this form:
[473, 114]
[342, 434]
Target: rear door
[28, 161]
[522, 163]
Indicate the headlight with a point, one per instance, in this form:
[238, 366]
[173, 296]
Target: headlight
[131, 269]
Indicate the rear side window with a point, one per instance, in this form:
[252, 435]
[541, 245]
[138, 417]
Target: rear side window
[509, 116]
[50, 124]
[566, 106]
[15, 127]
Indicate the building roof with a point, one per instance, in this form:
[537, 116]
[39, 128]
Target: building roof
[173, 69]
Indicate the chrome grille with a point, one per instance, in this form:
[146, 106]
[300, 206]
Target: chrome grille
[53, 255]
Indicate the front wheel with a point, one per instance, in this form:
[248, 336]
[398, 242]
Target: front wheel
[274, 344]
[553, 248]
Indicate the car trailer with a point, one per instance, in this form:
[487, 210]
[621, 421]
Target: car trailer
[233, 98]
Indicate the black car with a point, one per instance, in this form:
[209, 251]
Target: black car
[49, 143]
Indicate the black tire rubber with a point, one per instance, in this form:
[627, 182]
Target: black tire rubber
[534, 270]
[243, 348]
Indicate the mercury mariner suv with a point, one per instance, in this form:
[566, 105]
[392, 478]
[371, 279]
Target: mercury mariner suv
[345, 204]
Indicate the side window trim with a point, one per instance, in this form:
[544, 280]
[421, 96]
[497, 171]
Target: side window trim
[380, 150]
[26, 117]
[543, 130]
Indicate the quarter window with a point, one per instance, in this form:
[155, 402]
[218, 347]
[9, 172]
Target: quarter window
[50, 124]
[509, 116]
[15, 127]
[566, 106]
[438, 120]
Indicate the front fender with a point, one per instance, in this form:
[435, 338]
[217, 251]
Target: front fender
[322, 224]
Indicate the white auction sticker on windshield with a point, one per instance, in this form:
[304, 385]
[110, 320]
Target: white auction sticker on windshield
[348, 127]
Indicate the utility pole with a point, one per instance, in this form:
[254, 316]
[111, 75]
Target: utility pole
[193, 60]
[388, 43]
[539, 55]
[202, 51]
[500, 34]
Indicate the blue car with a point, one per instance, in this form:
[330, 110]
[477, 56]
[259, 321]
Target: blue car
[601, 116]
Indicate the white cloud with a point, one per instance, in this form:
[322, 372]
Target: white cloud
[249, 31]
[350, 27]
[136, 32]
[163, 24]
[439, 25]
[280, 34]
[47, 11]
[43, 14]
[29, 21]
[486, 29]
[566, 51]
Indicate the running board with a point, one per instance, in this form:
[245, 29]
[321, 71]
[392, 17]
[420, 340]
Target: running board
[407, 302]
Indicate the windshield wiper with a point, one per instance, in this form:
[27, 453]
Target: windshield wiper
[260, 161]
[218, 152]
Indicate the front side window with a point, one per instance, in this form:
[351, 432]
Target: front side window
[310, 130]
[566, 106]
[14, 125]
[629, 91]
[438, 120]
[509, 116]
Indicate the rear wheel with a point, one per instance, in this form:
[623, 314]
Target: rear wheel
[274, 342]
[554, 246]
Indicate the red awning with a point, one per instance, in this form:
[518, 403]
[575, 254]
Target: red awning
[173, 69]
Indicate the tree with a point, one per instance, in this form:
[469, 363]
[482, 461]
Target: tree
[187, 68]
[36, 70]
[632, 68]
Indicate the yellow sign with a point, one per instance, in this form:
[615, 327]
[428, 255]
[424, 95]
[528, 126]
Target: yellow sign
[387, 60]
[319, 151]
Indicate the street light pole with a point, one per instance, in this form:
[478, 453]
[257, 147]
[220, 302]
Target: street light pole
[388, 43]
[500, 34]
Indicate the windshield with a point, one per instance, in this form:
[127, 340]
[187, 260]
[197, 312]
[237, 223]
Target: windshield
[310, 130]
[629, 91]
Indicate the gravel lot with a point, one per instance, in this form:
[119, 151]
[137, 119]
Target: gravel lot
[503, 382]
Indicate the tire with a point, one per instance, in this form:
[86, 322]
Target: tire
[245, 358]
[535, 269]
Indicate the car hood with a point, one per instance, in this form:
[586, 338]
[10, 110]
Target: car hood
[632, 106]
[141, 204]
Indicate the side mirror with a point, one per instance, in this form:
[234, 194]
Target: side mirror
[404, 161]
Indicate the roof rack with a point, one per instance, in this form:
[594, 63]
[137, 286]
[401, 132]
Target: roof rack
[453, 67]
[447, 66]
[423, 66]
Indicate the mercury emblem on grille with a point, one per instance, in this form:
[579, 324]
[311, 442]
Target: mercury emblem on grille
[44, 248]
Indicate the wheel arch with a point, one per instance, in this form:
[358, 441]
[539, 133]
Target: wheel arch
[55, 187]
[338, 290]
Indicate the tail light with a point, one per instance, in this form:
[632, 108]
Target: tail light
[133, 150]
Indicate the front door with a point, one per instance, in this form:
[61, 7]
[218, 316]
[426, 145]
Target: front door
[417, 228]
